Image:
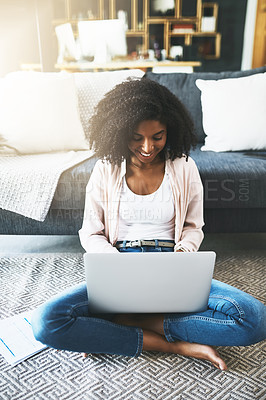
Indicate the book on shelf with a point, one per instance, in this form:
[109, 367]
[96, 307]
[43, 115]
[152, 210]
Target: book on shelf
[183, 28]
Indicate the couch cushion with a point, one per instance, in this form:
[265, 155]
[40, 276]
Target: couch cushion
[184, 87]
[232, 179]
[232, 108]
[71, 188]
[39, 113]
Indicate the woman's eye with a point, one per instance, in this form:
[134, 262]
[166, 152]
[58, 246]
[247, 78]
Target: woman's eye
[139, 138]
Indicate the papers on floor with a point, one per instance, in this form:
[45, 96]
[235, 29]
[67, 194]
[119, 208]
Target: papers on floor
[17, 342]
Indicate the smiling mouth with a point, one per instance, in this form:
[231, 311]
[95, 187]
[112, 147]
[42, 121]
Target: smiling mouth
[145, 154]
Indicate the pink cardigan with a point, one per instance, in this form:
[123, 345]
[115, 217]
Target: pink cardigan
[99, 231]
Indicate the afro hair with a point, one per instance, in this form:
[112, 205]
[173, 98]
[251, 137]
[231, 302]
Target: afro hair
[122, 109]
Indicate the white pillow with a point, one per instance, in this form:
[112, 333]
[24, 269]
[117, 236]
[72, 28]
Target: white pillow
[39, 113]
[234, 113]
[92, 86]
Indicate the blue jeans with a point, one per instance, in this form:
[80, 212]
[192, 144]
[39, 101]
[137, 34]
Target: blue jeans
[233, 318]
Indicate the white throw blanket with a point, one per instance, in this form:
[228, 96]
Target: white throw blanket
[28, 182]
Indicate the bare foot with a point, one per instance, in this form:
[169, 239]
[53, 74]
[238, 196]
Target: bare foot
[154, 339]
[200, 351]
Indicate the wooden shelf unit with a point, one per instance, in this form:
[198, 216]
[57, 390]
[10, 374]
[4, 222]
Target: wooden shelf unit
[141, 21]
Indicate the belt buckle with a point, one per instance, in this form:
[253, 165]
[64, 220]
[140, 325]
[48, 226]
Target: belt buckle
[135, 243]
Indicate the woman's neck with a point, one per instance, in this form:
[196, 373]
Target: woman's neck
[135, 164]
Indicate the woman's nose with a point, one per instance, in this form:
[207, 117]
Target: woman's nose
[147, 146]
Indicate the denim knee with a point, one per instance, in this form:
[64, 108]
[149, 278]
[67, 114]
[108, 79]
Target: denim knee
[37, 325]
[49, 320]
[248, 312]
[233, 318]
[255, 323]
[41, 322]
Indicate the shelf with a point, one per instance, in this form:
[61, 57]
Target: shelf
[138, 64]
[144, 26]
[135, 33]
[199, 34]
[172, 20]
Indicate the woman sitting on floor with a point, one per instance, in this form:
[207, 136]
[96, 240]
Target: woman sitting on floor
[142, 135]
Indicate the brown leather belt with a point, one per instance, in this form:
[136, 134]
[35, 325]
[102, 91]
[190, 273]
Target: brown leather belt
[140, 243]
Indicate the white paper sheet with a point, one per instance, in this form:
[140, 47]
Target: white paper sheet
[17, 342]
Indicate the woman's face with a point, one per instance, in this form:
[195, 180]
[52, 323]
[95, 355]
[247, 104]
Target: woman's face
[148, 140]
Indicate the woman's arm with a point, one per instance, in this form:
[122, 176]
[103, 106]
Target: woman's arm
[92, 234]
[192, 234]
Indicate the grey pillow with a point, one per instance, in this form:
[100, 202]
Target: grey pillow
[183, 86]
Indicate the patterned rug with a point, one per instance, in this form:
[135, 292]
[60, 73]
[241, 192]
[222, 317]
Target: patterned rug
[28, 280]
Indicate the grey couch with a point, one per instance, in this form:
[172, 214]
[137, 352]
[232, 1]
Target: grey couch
[234, 182]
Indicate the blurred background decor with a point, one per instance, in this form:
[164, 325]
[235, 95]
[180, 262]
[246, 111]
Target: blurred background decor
[220, 35]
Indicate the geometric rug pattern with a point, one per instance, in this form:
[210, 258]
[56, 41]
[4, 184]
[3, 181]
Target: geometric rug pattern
[28, 280]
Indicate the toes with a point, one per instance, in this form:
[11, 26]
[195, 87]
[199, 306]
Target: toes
[220, 364]
[216, 360]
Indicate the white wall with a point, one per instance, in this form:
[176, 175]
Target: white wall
[48, 39]
[247, 53]
[17, 41]
[18, 34]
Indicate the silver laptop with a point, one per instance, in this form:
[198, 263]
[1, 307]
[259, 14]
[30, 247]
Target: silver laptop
[149, 282]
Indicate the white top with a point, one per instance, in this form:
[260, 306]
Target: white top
[99, 232]
[149, 216]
